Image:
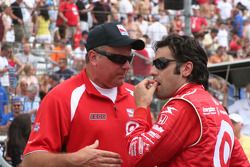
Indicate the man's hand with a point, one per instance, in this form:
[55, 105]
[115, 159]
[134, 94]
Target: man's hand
[90, 156]
[144, 92]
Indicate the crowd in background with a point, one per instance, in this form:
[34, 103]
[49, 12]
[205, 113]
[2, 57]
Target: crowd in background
[43, 41]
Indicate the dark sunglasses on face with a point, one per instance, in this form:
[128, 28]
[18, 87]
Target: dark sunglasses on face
[16, 105]
[161, 63]
[115, 58]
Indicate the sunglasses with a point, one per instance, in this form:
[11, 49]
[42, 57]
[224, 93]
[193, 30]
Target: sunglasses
[115, 58]
[161, 63]
[16, 105]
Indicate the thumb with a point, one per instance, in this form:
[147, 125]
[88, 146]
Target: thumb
[94, 145]
[153, 87]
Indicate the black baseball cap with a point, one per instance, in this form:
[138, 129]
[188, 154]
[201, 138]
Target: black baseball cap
[112, 34]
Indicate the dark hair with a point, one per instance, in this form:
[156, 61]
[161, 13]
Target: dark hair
[5, 47]
[185, 48]
[44, 12]
[18, 135]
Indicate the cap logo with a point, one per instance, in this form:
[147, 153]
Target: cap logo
[122, 30]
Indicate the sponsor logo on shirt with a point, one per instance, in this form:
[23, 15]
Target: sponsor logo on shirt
[97, 116]
[169, 110]
[209, 111]
[130, 112]
[158, 128]
[153, 134]
[131, 126]
[162, 120]
[36, 127]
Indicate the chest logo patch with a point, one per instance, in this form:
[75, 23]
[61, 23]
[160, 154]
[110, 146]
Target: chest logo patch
[97, 116]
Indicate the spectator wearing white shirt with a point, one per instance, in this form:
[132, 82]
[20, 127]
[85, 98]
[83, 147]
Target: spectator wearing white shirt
[225, 9]
[242, 107]
[4, 74]
[125, 7]
[156, 30]
[79, 56]
[27, 57]
[223, 35]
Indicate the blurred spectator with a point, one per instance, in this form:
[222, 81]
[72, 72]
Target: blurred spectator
[44, 85]
[31, 101]
[223, 35]
[219, 89]
[53, 81]
[22, 88]
[2, 26]
[132, 26]
[18, 135]
[83, 13]
[4, 70]
[225, 7]
[101, 12]
[79, 56]
[148, 47]
[77, 37]
[3, 101]
[237, 22]
[84, 35]
[18, 20]
[143, 7]
[177, 24]
[242, 107]
[16, 109]
[155, 7]
[210, 41]
[58, 51]
[27, 57]
[15, 68]
[238, 123]
[246, 29]
[143, 24]
[53, 16]
[42, 26]
[72, 19]
[63, 73]
[29, 76]
[198, 24]
[115, 16]
[7, 29]
[213, 15]
[26, 7]
[220, 56]
[61, 20]
[235, 43]
[125, 7]
[156, 30]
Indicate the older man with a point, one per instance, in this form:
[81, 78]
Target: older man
[91, 107]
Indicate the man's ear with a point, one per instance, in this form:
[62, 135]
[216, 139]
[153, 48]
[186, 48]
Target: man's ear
[187, 69]
[92, 57]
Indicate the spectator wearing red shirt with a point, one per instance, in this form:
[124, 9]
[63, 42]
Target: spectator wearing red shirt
[72, 19]
[60, 22]
[198, 23]
[235, 43]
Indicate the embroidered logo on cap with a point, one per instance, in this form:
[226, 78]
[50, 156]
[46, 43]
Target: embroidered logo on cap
[97, 116]
[122, 30]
